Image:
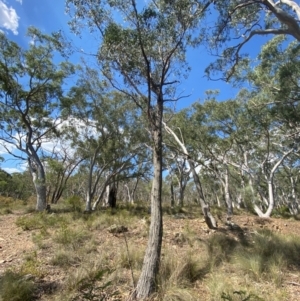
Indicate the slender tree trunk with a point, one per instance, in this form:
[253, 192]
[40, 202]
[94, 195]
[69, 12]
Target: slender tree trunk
[181, 194]
[209, 219]
[227, 195]
[88, 202]
[112, 196]
[146, 284]
[172, 194]
[130, 199]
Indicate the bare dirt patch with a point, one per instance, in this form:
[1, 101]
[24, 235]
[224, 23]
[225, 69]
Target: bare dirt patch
[14, 242]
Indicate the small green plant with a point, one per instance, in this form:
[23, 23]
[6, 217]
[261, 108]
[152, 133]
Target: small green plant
[90, 288]
[31, 265]
[75, 203]
[32, 222]
[282, 211]
[14, 287]
[240, 296]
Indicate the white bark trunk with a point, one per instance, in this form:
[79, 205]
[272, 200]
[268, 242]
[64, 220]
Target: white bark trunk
[39, 181]
[227, 194]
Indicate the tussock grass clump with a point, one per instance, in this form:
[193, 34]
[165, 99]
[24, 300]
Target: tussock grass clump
[222, 287]
[39, 220]
[94, 287]
[15, 287]
[179, 294]
[103, 219]
[268, 255]
[178, 274]
[220, 248]
[68, 236]
[32, 265]
[131, 258]
[9, 204]
[65, 259]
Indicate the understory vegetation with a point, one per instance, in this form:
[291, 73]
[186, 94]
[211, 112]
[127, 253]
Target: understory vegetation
[99, 255]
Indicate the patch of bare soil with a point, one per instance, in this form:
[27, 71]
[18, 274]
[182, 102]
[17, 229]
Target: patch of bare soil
[16, 243]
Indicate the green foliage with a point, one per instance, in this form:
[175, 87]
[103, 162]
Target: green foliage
[40, 220]
[32, 265]
[90, 288]
[75, 203]
[282, 211]
[15, 287]
[240, 295]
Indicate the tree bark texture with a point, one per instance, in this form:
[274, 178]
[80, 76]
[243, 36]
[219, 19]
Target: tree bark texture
[147, 281]
[39, 181]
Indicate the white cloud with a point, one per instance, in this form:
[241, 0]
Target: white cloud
[12, 169]
[20, 1]
[8, 18]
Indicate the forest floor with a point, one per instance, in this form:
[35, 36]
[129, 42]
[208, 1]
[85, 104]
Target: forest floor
[72, 256]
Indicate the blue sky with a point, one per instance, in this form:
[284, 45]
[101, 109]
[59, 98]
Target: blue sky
[49, 15]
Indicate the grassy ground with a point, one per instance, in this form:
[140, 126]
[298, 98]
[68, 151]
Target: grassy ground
[77, 256]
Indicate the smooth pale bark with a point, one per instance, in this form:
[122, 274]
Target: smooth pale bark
[209, 219]
[88, 202]
[227, 194]
[130, 198]
[39, 181]
[293, 204]
[270, 179]
[146, 284]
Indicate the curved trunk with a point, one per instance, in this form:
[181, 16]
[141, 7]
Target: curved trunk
[270, 204]
[270, 178]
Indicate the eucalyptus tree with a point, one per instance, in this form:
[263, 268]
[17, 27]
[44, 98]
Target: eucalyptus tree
[105, 134]
[239, 21]
[274, 100]
[287, 184]
[31, 88]
[142, 54]
[60, 164]
[179, 174]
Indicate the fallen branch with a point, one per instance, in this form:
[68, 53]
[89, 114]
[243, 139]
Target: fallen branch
[293, 283]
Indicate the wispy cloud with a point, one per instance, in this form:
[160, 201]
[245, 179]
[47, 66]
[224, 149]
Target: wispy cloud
[20, 1]
[13, 169]
[9, 19]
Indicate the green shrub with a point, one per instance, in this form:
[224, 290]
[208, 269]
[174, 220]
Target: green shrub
[75, 203]
[15, 287]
